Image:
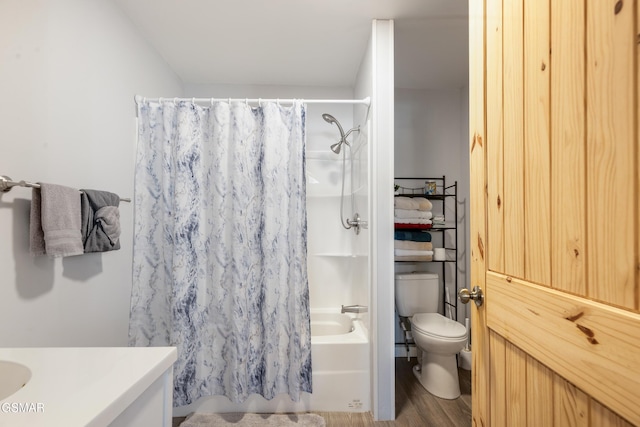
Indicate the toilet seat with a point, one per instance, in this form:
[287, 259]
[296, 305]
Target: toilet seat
[437, 326]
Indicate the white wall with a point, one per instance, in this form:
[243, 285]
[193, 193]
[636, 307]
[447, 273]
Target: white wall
[382, 158]
[68, 72]
[429, 133]
[430, 141]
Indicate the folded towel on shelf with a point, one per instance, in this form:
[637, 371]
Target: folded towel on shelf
[409, 252]
[58, 210]
[412, 213]
[418, 203]
[402, 202]
[439, 219]
[408, 244]
[416, 236]
[411, 220]
[405, 226]
[100, 221]
[413, 258]
[423, 204]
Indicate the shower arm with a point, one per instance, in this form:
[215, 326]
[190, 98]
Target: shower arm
[344, 139]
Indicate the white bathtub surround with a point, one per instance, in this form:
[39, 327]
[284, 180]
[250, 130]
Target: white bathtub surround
[91, 386]
[340, 373]
[220, 247]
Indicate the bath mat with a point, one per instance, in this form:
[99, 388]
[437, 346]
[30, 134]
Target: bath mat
[253, 420]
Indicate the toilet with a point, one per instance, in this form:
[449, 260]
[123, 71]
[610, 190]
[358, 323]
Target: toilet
[438, 339]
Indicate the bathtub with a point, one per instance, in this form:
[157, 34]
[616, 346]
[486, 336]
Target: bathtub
[340, 362]
[340, 373]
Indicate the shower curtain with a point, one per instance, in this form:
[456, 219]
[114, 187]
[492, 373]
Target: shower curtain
[219, 263]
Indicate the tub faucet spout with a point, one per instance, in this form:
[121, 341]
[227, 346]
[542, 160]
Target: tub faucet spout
[354, 309]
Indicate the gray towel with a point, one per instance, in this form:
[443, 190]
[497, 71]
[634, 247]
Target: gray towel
[36, 235]
[60, 221]
[100, 221]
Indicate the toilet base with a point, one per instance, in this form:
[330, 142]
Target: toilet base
[438, 374]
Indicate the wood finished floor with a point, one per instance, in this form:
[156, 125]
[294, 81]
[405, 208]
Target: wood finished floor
[415, 407]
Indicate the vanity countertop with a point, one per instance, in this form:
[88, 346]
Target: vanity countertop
[88, 386]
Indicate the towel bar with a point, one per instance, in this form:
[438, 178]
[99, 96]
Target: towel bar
[7, 184]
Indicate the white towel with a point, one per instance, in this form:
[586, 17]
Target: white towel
[401, 202]
[418, 203]
[412, 213]
[409, 252]
[423, 204]
[411, 221]
[413, 258]
[60, 218]
[409, 244]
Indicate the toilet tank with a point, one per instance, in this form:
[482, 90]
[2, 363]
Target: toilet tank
[416, 293]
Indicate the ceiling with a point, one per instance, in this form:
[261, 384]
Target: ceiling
[303, 42]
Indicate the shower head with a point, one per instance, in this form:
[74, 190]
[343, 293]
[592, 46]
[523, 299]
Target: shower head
[330, 119]
[337, 146]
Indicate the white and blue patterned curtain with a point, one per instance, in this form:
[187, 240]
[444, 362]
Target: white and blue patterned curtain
[220, 247]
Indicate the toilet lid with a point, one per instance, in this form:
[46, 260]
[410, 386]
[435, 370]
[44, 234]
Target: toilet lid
[436, 324]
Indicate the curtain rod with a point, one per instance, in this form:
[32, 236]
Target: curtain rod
[7, 184]
[365, 101]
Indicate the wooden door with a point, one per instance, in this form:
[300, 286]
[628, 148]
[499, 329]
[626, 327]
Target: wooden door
[555, 212]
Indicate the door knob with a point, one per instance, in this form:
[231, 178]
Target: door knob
[476, 294]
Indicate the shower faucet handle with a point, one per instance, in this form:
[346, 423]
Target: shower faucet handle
[354, 309]
[357, 223]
